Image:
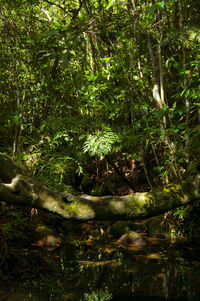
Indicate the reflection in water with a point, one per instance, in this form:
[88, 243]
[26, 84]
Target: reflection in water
[157, 271]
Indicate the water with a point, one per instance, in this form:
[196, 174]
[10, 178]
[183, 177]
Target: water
[103, 270]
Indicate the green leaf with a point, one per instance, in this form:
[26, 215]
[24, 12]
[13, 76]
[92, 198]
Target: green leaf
[156, 6]
[100, 143]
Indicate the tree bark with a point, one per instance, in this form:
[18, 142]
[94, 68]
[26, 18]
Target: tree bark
[24, 191]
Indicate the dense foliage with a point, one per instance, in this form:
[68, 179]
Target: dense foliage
[90, 85]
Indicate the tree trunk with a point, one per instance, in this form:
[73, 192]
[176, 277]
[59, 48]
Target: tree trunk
[24, 191]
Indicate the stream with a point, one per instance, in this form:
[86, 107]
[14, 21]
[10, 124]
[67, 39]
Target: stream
[160, 269]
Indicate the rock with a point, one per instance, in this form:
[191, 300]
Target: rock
[131, 239]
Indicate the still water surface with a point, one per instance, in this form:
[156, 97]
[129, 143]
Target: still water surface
[157, 270]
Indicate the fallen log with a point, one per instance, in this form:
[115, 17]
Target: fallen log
[25, 191]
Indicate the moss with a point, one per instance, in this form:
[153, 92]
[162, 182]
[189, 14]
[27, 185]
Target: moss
[116, 206]
[79, 211]
[138, 203]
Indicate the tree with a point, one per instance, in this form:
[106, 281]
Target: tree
[24, 191]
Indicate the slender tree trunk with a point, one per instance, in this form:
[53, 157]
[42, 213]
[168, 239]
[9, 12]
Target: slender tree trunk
[18, 128]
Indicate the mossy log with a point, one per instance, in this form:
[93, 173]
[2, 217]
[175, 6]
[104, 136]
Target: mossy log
[20, 190]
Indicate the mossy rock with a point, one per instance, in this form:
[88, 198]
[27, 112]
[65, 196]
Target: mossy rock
[131, 239]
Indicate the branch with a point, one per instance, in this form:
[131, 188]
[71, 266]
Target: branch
[58, 5]
[74, 11]
[46, 13]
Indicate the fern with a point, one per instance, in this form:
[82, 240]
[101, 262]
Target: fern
[100, 143]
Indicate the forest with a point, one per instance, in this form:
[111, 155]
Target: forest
[99, 150]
